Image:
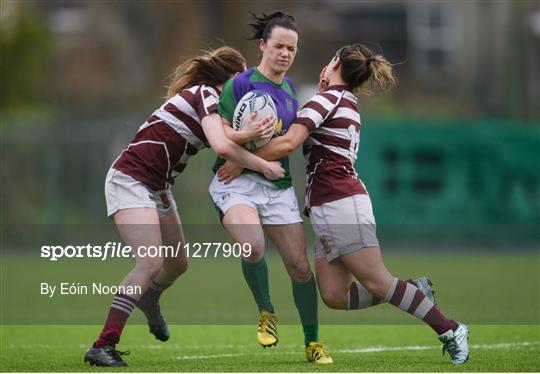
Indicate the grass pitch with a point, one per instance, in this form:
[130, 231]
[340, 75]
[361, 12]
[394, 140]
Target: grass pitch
[234, 349]
[213, 319]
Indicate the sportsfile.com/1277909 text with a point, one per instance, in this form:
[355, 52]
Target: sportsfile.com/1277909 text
[119, 250]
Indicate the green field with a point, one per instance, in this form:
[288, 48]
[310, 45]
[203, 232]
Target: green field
[213, 318]
[474, 288]
[233, 349]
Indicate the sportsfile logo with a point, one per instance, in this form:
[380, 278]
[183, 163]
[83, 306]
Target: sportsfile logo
[109, 250]
[118, 250]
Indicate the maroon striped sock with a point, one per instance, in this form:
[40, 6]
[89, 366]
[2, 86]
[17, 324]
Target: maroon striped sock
[360, 298]
[407, 297]
[119, 312]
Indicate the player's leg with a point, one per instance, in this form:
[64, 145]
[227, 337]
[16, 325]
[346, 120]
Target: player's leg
[242, 222]
[358, 248]
[367, 266]
[339, 289]
[283, 224]
[238, 209]
[333, 280]
[138, 227]
[345, 231]
[290, 243]
[175, 263]
[343, 226]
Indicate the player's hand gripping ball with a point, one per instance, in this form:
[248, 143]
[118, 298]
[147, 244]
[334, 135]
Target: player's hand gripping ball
[254, 101]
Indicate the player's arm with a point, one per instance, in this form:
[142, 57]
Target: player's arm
[309, 118]
[282, 146]
[227, 149]
[207, 109]
[277, 148]
[312, 115]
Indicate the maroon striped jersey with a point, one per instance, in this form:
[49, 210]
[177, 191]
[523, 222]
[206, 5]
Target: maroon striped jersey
[330, 150]
[169, 137]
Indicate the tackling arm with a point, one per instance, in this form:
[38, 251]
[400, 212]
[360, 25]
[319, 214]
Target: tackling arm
[236, 136]
[225, 148]
[254, 129]
[284, 145]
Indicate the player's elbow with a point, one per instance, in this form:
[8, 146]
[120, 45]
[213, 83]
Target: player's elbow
[289, 146]
[223, 150]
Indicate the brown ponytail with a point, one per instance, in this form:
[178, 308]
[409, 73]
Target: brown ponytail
[263, 24]
[212, 68]
[365, 72]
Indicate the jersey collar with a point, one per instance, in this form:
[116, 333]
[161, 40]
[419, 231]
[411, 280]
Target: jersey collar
[339, 87]
[268, 80]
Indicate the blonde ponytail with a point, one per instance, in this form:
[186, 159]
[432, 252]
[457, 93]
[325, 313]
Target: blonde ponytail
[212, 68]
[364, 72]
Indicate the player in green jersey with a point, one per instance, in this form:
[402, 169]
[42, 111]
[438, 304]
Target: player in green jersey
[251, 204]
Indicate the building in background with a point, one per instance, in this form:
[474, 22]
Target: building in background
[473, 58]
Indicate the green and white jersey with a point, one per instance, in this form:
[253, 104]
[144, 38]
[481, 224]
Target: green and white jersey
[285, 98]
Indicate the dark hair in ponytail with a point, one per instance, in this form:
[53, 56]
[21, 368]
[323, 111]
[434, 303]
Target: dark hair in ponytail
[263, 24]
[365, 72]
[213, 68]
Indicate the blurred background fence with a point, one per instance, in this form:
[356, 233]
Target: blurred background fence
[458, 142]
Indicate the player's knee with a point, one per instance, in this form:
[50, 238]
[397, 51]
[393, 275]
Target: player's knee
[182, 267]
[177, 267]
[151, 267]
[257, 252]
[300, 271]
[375, 288]
[334, 300]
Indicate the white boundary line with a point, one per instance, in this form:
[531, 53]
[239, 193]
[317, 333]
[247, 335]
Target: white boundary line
[369, 350]
[373, 349]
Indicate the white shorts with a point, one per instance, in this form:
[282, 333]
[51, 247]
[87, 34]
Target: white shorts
[275, 206]
[124, 192]
[343, 226]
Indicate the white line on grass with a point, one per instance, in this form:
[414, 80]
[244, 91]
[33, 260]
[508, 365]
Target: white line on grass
[375, 349]
[370, 350]
[202, 357]
[427, 347]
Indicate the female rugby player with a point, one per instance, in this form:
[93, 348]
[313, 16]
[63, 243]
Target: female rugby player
[349, 267]
[251, 203]
[138, 187]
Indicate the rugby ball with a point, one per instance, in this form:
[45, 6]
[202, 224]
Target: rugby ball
[254, 101]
